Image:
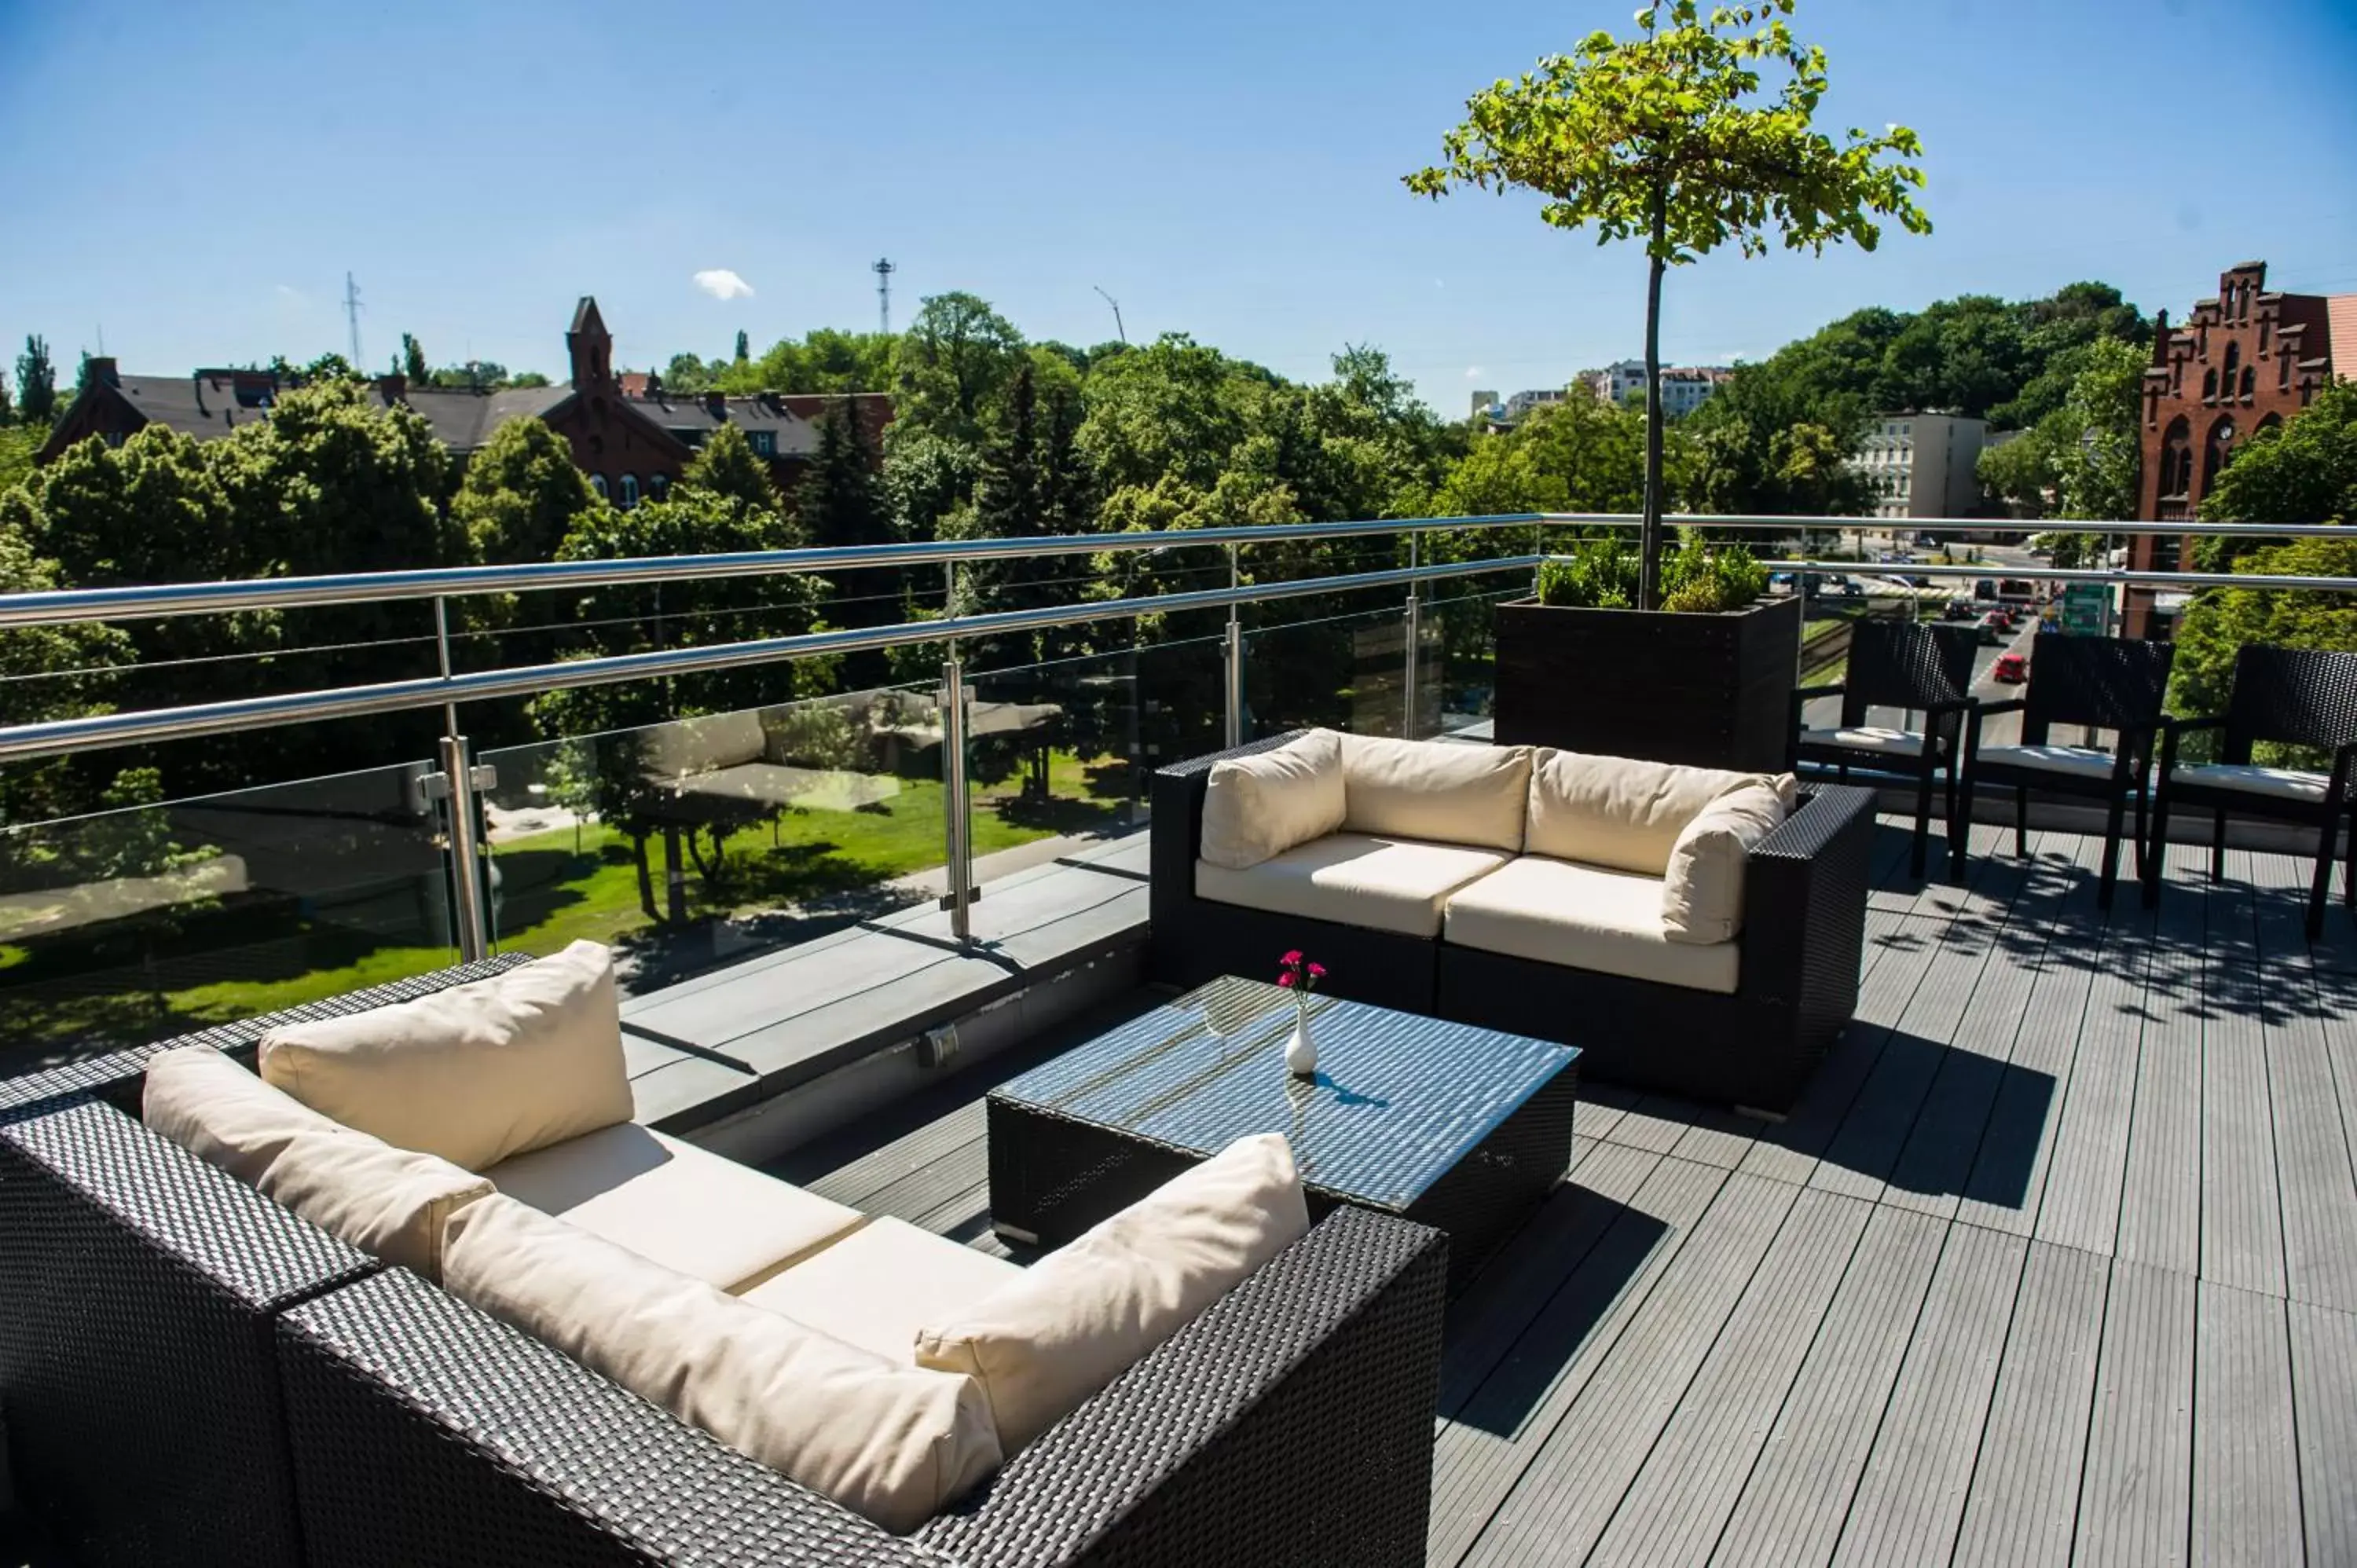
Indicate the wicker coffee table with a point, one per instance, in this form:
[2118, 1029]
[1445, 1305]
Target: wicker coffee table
[1460, 1128]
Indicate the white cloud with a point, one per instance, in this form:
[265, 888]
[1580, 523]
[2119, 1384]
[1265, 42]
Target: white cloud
[1472, 372]
[720, 283]
[290, 293]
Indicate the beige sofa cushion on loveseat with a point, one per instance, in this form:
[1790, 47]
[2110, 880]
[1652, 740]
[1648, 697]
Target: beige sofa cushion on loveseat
[896, 1444]
[1080, 1316]
[1436, 790]
[476, 1073]
[390, 1203]
[684, 1208]
[1622, 812]
[1260, 806]
[1381, 884]
[877, 1286]
[1702, 892]
[1585, 917]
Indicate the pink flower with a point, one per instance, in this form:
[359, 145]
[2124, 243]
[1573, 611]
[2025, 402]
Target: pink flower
[1316, 972]
[1286, 979]
[1292, 958]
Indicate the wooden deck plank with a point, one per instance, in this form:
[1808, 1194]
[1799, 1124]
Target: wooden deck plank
[1567, 1495]
[2314, 1171]
[2160, 1191]
[1793, 1506]
[2079, 1204]
[1481, 1453]
[1913, 1494]
[2245, 1464]
[2324, 1404]
[1674, 1510]
[2241, 1211]
[2136, 1498]
[2023, 1504]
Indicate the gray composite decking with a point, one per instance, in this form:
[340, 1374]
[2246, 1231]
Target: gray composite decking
[2056, 1262]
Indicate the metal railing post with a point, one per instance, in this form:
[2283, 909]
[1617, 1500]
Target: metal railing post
[1232, 664]
[466, 847]
[1414, 623]
[958, 844]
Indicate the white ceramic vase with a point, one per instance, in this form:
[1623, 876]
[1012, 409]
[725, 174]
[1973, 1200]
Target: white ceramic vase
[1301, 1051]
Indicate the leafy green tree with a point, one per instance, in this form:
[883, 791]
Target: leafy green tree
[2303, 471]
[1172, 407]
[1662, 137]
[18, 444]
[955, 363]
[520, 495]
[2218, 621]
[726, 465]
[413, 362]
[744, 347]
[48, 673]
[840, 502]
[7, 410]
[685, 375]
[927, 478]
[37, 381]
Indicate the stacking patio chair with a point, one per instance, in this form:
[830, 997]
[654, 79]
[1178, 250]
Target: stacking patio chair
[1920, 668]
[2292, 696]
[2105, 682]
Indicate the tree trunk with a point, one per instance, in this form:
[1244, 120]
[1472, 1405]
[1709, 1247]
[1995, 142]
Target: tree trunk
[1649, 532]
[646, 877]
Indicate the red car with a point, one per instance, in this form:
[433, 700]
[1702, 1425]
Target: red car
[2011, 667]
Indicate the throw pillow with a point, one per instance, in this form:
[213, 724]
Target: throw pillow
[1257, 807]
[1702, 891]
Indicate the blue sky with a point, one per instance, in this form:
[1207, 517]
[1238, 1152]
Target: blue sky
[193, 180]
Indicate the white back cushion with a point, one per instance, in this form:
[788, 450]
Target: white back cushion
[1702, 891]
[893, 1443]
[1433, 789]
[1041, 1346]
[475, 1073]
[1620, 811]
[388, 1202]
[1258, 807]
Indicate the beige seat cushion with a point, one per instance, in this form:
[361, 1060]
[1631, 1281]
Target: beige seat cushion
[877, 1286]
[2281, 783]
[1585, 916]
[895, 1443]
[1259, 806]
[1043, 1345]
[390, 1203]
[475, 1073]
[1867, 737]
[709, 1217]
[1436, 790]
[1384, 885]
[687, 746]
[1623, 812]
[2075, 761]
[1702, 892]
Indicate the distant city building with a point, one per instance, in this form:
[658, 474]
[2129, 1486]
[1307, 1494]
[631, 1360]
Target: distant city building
[1923, 465]
[1522, 402]
[2242, 362]
[1486, 406]
[1684, 388]
[627, 435]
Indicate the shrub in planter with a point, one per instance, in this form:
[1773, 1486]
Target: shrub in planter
[1706, 680]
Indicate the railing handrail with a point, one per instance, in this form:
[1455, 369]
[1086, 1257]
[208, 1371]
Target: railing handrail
[2108, 575]
[105, 731]
[62, 605]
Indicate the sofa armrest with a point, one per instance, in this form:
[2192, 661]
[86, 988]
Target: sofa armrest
[425, 1431]
[118, 1076]
[1177, 822]
[1805, 905]
[1291, 1423]
[138, 1285]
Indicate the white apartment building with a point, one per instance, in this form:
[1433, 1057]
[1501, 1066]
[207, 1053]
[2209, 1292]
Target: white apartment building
[1522, 403]
[1923, 465]
[1684, 388]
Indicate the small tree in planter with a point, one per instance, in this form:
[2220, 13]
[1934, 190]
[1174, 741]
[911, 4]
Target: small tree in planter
[1667, 137]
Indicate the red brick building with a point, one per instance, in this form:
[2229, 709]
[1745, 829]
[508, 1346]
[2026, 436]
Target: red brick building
[2242, 362]
[627, 435]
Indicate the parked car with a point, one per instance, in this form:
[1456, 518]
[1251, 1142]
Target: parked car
[2011, 667]
[1959, 609]
[1993, 627]
[1848, 587]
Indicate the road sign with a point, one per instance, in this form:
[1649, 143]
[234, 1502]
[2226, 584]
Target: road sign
[2086, 608]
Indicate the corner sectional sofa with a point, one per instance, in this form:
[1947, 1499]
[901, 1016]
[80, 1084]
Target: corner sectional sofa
[420, 1291]
[1691, 930]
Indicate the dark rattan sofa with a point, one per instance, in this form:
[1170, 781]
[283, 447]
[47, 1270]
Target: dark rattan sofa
[1803, 934]
[191, 1374]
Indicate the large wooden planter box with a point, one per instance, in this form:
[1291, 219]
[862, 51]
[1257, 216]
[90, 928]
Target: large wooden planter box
[1709, 691]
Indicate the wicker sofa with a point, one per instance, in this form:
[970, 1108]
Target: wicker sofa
[191, 1373]
[1742, 1027]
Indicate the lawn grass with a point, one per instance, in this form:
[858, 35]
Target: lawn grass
[554, 888]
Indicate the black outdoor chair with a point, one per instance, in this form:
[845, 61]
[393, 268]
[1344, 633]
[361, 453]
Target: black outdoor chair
[2107, 682]
[1900, 664]
[2292, 696]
